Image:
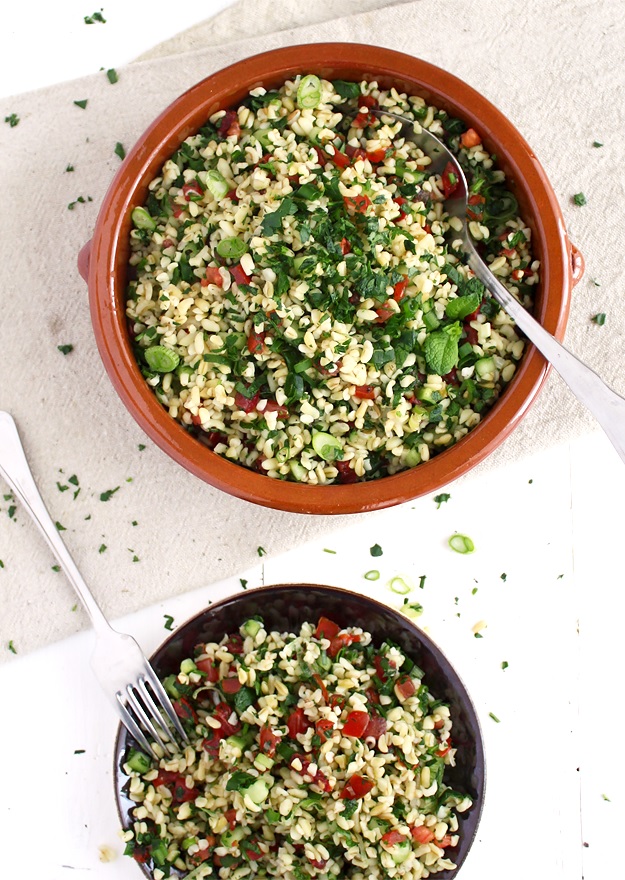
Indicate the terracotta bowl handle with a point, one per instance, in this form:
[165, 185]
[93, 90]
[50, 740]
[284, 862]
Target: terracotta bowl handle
[83, 260]
[577, 264]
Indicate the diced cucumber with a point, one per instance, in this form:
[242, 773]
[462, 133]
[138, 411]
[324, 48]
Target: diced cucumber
[230, 837]
[251, 627]
[327, 446]
[262, 136]
[485, 369]
[400, 851]
[323, 662]
[138, 761]
[298, 470]
[412, 458]
[258, 791]
[263, 762]
[430, 320]
[428, 395]
[188, 666]
[143, 220]
[170, 684]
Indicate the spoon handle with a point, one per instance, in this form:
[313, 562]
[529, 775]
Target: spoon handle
[15, 470]
[606, 405]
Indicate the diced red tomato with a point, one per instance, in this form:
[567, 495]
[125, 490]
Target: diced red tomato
[356, 787]
[141, 854]
[231, 818]
[341, 641]
[400, 200]
[372, 695]
[176, 784]
[470, 138]
[213, 276]
[356, 204]
[210, 439]
[470, 333]
[383, 314]
[323, 729]
[202, 855]
[184, 709]
[322, 157]
[346, 473]
[365, 118]
[256, 342]
[367, 101]
[421, 834]
[247, 404]
[321, 685]
[339, 159]
[405, 687]
[444, 842]
[451, 377]
[239, 274]
[297, 722]
[318, 863]
[517, 274]
[232, 195]
[509, 252]
[229, 117]
[326, 629]
[337, 701]
[274, 406]
[234, 644]
[251, 849]
[400, 288]
[167, 243]
[231, 684]
[210, 667]
[450, 179]
[223, 713]
[376, 727]
[376, 156]
[355, 153]
[476, 210]
[364, 392]
[392, 837]
[444, 748]
[318, 778]
[192, 192]
[356, 723]
[379, 667]
[345, 246]
[439, 724]
[268, 741]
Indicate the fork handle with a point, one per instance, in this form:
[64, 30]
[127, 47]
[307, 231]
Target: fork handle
[15, 470]
[606, 405]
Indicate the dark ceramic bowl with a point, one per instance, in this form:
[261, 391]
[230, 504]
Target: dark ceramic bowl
[103, 264]
[285, 607]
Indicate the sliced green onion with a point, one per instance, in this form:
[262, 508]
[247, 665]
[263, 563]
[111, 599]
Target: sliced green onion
[398, 585]
[231, 248]
[326, 446]
[161, 359]
[461, 544]
[216, 184]
[309, 92]
[494, 717]
[412, 609]
[373, 575]
[142, 220]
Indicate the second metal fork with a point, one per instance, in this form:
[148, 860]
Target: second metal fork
[118, 662]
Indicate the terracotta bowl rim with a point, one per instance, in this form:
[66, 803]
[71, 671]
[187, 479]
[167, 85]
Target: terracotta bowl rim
[185, 115]
[429, 644]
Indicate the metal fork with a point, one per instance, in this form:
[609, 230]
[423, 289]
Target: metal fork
[606, 405]
[118, 662]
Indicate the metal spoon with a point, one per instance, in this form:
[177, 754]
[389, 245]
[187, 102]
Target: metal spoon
[606, 405]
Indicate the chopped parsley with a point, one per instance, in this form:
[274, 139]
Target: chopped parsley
[243, 583]
[141, 447]
[81, 200]
[599, 319]
[503, 576]
[83, 106]
[65, 349]
[579, 199]
[101, 548]
[105, 496]
[261, 551]
[60, 527]
[120, 151]
[11, 511]
[79, 751]
[327, 550]
[422, 581]
[11, 647]
[1, 564]
[56, 568]
[95, 17]
[597, 144]
[112, 76]
[12, 120]
[504, 664]
[61, 487]
[376, 550]
[606, 798]
[70, 168]
[441, 499]
[494, 717]
[169, 622]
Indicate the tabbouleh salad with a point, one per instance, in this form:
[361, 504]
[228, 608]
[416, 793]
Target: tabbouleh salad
[297, 299]
[316, 755]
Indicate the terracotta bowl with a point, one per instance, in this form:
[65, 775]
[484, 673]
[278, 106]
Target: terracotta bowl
[286, 607]
[103, 262]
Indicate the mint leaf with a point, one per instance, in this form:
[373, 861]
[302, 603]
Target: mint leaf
[441, 349]
[459, 308]
[239, 780]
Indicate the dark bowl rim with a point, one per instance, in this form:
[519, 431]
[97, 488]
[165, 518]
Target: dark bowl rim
[424, 639]
[181, 118]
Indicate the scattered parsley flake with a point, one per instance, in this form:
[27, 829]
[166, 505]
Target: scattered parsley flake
[440, 499]
[73, 480]
[112, 76]
[83, 106]
[599, 319]
[75, 607]
[70, 168]
[494, 717]
[243, 583]
[11, 511]
[88, 516]
[169, 622]
[8, 497]
[504, 664]
[1, 564]
[261, 551]
[503, 576]
[61, 488]
[120, 151]
[12, 120]
[474, 591]
[141, 447]
[56, 568]
[422, 581]
[456, 599]
[134, 523]
[530, 482]
[376, 550]
[560, 576]
[105, 496]
[478, 636]
[101, 548]
[65, 349]
[79, 751]
[11, 647]
[596, 144]
[95, 17]
[327, 550]
[60, 527]
[80, 200]
[135, 558]
[606, 798]
[596, 283]
[579, 199]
